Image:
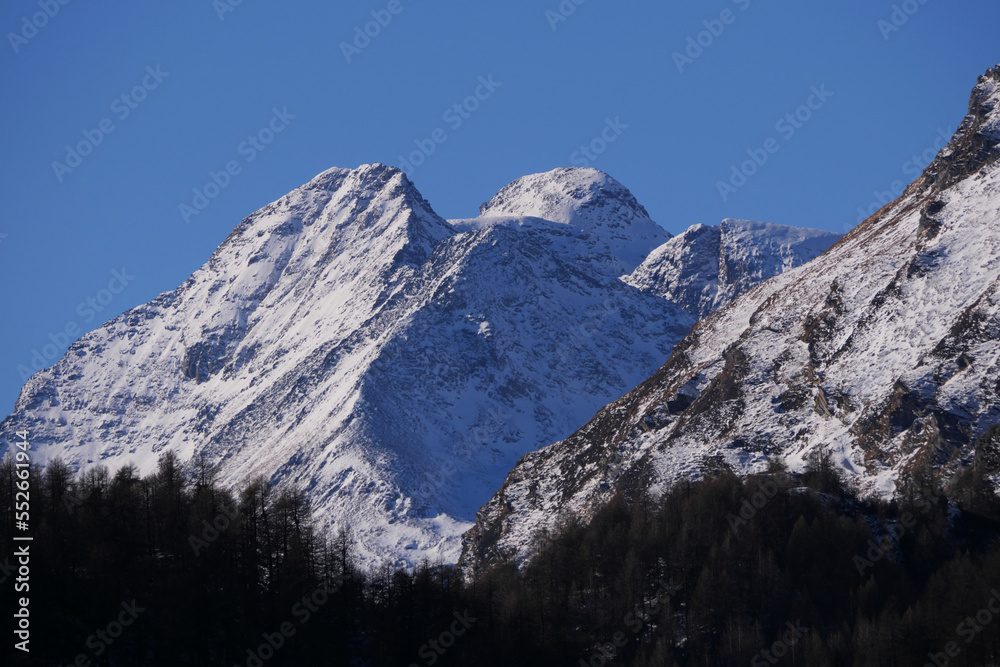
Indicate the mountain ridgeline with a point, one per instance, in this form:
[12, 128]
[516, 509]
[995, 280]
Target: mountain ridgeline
[348, 341]
[882, 355]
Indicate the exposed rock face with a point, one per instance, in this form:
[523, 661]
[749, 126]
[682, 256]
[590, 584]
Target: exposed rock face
[884, 352]
[975, 145]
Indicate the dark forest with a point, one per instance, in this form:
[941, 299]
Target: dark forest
[781, 568]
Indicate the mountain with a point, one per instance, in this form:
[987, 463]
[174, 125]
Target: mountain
[706, 268]
[395, 365]
[612, 231]
[882, 356]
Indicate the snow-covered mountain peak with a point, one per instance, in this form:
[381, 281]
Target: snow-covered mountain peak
[588, 201]
[706, 267]
[371, 199]
[570, 195]
[363, 177]
[373, 211]
[347, 339]
[882, 354]
[752, 233]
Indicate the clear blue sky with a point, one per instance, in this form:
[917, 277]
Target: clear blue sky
[561, 82]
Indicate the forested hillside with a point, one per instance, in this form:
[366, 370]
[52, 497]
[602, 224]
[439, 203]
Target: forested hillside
[171, 570]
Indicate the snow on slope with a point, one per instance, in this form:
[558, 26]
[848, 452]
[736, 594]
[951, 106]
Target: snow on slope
[605, 215]
[706, 268]
[884, 352]
[347, 339]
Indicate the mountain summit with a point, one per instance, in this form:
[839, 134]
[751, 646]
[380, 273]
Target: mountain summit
[880, 357]
[347, 339]
[394, 365]
[590, 202]
[706, 267]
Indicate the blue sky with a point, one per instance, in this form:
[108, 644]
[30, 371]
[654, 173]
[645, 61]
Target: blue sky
[668, 99]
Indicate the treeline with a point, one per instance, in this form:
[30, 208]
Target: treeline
[171, 569]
